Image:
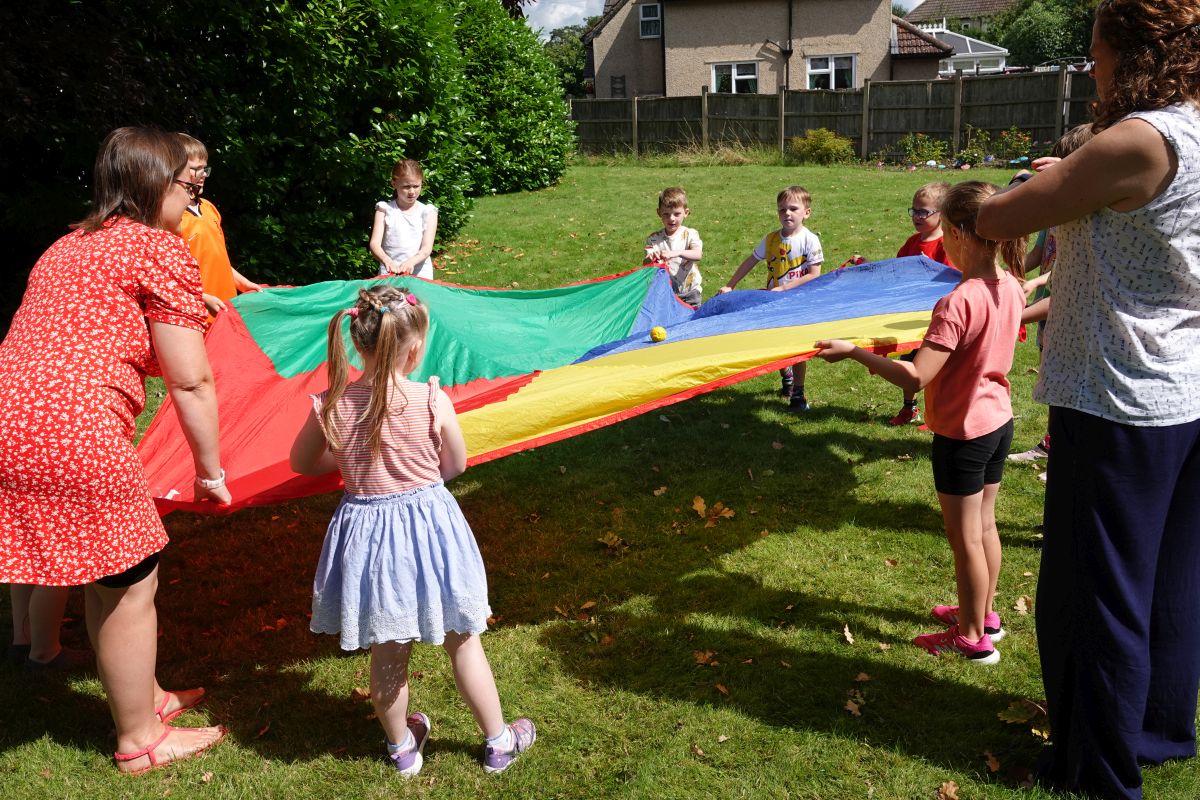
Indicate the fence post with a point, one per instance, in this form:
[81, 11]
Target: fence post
[866, 118]
[704, 117]
[782, 122]
[634, 124]
[956, 136]
[1060, 101]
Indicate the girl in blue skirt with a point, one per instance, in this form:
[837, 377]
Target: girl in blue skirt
[399, 563]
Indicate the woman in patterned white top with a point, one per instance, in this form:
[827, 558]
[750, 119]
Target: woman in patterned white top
[1117, 593]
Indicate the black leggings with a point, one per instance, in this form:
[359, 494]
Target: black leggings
[135, 574]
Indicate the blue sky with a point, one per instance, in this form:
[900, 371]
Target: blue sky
[550, 14]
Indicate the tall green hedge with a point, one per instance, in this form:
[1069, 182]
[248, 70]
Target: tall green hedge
[304, 106]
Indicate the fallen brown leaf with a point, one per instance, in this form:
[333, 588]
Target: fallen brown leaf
[948, 791]
[720, 687]
[891, 562]
[697, 751]
[853, 708]
[777, 445]
[847, 634]
[1023, 605]
[722, 738]
[263, 730]
[206, 777]
[993, 763]
[587, 605]
[862, 677]
[660, 491]
[359, 694]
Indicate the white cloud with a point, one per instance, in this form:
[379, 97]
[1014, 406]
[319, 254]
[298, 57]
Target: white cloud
[546, 15]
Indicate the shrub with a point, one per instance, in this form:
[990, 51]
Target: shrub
[976, 147]
[921, 148]
[520, 133]
[821, 146]
[1013, 143]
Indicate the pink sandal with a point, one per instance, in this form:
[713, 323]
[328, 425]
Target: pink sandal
[165, 718]
[148, 751]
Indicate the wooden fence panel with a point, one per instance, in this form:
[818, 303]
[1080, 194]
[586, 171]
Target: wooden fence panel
[902, 107]
[1041, 104]
[995, 103]
[668, 123]
[837, 111]
[743, 118]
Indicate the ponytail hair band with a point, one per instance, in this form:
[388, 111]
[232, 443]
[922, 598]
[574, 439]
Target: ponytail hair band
[353, 311]
[411, 298]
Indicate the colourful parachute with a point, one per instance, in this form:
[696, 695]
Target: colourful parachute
[528, 367]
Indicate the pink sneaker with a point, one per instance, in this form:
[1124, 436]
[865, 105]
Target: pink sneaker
[948, 615]
[950, 641]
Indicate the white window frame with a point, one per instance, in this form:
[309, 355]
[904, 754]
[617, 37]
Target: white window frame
[831, 69]
[655, 18]
[736, 76]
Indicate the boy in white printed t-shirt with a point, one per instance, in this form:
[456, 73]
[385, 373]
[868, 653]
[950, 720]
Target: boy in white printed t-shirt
[677, 247]
[794, 257]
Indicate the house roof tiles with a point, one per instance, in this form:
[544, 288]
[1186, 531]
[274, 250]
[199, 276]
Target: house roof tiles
[932, 10]
[912, 42]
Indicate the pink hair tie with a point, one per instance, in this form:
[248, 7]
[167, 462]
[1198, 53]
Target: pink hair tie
[353, 311]
[411, 298]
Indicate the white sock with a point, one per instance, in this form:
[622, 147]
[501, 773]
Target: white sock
[502, 741]
[408, 744]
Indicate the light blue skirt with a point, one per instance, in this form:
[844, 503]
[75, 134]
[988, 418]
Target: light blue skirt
[399, 568]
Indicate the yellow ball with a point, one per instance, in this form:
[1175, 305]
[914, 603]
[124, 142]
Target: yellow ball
[658, 333]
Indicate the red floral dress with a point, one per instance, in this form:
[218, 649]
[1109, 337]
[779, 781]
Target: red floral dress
[74, 505]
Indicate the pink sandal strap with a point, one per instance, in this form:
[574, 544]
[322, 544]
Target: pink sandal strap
[165, 718]
[147, 751]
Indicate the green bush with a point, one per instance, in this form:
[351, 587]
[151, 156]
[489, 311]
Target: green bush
[921, 148]
[977, 146]
[821, 146]
[1013, 143]
[521, 134]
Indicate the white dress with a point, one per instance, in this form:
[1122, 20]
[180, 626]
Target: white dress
[403, 231]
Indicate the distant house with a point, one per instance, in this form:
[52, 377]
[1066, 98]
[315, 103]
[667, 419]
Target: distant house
[971, 56]
[957, 14]
[914, 51]
[681, 47]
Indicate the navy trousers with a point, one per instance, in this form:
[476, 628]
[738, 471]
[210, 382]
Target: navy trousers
[1118, 599]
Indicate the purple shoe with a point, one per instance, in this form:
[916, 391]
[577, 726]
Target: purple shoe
[948, 615]
[524, 734]
[950, 641]
[409, 762]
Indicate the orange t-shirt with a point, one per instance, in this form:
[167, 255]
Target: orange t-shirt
[206, 240]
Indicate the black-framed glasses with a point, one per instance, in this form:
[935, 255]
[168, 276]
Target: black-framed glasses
[206, 170]
[921, 213]
[193, 189]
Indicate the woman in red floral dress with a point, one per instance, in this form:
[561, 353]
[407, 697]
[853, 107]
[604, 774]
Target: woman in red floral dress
[108, 304]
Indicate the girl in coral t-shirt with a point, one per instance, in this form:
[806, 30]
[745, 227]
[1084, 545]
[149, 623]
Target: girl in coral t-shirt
[962, 365]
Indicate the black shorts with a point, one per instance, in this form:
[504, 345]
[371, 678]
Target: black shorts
[963, 467]
[135, 574]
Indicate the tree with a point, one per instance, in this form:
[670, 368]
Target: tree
[1035, 31]
[898, 9]
[304, 108]
[568, 54]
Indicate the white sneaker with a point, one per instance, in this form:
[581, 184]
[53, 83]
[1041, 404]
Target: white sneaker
[1032, 454]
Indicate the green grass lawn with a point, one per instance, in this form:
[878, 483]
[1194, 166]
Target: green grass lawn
[659, 656]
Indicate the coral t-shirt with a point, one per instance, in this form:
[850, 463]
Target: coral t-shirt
[978, 321]
[933, 249]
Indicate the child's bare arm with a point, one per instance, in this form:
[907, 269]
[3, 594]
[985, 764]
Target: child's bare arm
[376, 245]
[1036, 312]
[742, 271]
[453, 455]
[814, 271]
[243, 283]
[909, 376]
[310, 452]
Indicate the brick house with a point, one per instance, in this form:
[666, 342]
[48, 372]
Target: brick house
[681, 47]
[957, 14]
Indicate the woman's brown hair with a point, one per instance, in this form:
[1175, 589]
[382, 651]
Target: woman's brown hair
[960, 208]
[134, 169]
[384, 321]
[1157, 43]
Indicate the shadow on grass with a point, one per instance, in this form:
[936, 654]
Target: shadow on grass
[235, 591]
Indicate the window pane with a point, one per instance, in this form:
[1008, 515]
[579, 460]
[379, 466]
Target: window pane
[747, 70]
[818, 81]
[650, 11]
[722, 78]
[844, 62]
[818, 63]
[748, 86]
[651, 28]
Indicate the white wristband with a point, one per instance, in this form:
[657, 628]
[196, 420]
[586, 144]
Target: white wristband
[211, 483]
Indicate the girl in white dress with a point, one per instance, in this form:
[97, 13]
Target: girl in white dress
[404, 228]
